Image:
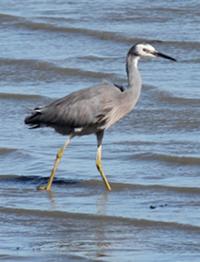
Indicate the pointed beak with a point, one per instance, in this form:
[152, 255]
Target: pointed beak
[164, 56]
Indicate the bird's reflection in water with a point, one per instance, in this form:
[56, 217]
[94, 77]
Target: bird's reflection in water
[52, 199]
[98, 233]
[102, 242]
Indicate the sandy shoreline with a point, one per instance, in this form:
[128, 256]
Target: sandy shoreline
[52, 236]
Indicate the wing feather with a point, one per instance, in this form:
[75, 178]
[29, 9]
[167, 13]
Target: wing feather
[82, 108]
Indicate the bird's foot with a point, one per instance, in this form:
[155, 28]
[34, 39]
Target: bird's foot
[43, 188]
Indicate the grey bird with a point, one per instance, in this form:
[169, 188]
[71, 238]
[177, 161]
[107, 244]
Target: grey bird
[93, 110]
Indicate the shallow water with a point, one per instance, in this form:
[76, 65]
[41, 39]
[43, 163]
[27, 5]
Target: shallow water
[151, 157]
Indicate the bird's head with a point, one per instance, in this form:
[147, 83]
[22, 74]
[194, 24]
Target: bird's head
[147, 50]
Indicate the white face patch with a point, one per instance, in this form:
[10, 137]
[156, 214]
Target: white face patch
[145, 50]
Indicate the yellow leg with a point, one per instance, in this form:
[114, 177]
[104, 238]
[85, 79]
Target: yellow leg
[56, 163]
[100, 168]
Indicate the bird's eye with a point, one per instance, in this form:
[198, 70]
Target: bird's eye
[146, 50]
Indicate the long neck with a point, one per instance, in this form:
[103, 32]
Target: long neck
[134, 79]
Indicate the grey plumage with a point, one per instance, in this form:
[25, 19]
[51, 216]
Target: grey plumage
[95, 109]
[88, 110]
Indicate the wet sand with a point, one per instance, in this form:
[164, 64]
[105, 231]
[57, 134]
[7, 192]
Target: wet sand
[34, 226]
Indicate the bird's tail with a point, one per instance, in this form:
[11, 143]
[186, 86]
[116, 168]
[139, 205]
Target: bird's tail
[34, 120]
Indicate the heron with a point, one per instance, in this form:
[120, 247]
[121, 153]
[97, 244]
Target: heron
[94, 109]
